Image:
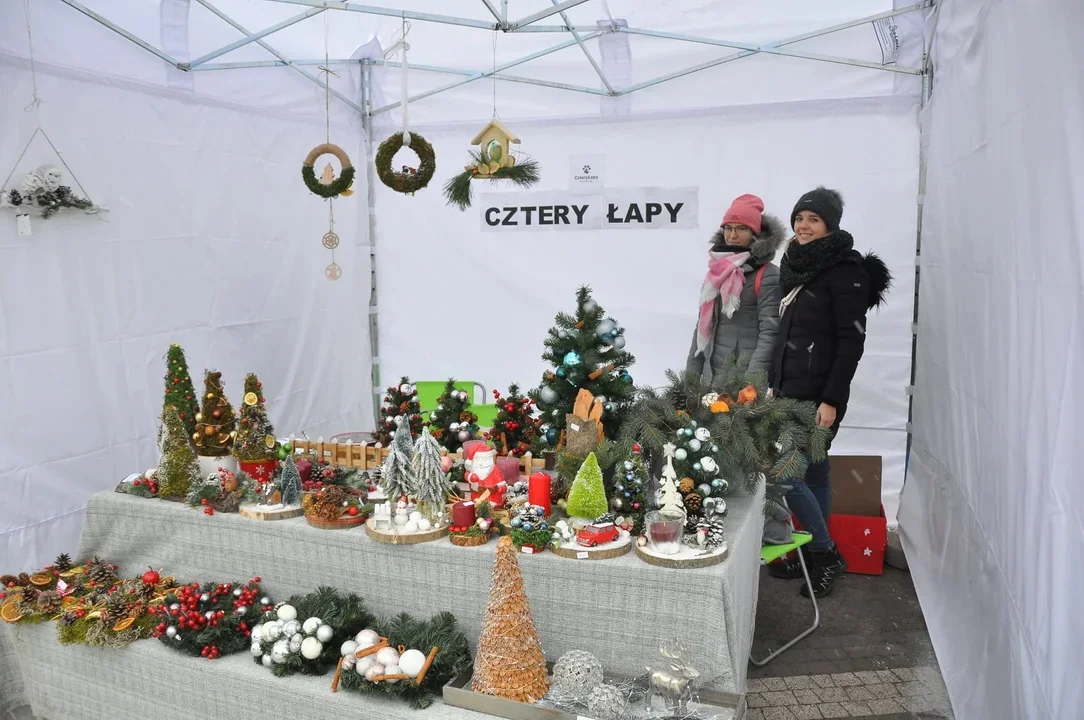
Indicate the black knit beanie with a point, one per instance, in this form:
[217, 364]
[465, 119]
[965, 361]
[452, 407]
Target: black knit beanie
[826, 203]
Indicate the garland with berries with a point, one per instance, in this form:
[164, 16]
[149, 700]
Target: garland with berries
[210, 620]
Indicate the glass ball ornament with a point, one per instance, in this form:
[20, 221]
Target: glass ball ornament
[704, 490]
[625, 377]
[694, 445]
[547, 395]
[551, 436]
[454, 427]
[619, 343]
[561, 373]
[528, 527]
[619, 487]
[696, 467]
[629, 465]
[630, 476]
[605, 327]
[715, 448]
[601, 398]
[577, 673]
[609, 407]
[562, 334]
[590, 306]
[572, 359]
[717, 484]
[618, 503]
[681, 454]
[463, 436]
[517, 522]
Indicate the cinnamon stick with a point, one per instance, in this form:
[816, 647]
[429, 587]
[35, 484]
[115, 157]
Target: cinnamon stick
[397, 676]
[372, 649]
[428, 662]
[335, 680]
[597, 373]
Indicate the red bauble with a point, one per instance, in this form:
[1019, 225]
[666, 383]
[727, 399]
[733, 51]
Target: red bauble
[510, 407]
[217, 413]
[352, 511]
[151, 577]
[136, 483]
[636, 447]
[175, 381]
[203, 501]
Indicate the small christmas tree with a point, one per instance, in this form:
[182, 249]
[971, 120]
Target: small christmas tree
[669, 496]
[397, 476]
[290, 483]
[629, 498]
[177, 468]
[509, 663]
[431, 485]
[217, 424]
[587, 352]
[400, 405]
[452, 422]
[179, 391]
[587, 499]
[255, 441]
[515, 429]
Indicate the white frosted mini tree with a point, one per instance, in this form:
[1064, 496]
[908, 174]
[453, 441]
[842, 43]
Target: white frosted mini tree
[290, 483]
[431, 485]
[397, 475]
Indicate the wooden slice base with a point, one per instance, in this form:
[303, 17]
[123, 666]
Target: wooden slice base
[253, 512]
[609, 551]
[344, 523]
[468, 540]
[685, 559]
[397, 537]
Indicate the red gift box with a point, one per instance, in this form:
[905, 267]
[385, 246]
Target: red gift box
[861, 539]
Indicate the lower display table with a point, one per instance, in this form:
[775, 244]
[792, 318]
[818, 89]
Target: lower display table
[617, 609]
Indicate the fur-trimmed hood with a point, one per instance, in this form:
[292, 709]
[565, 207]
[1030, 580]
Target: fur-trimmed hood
[772, 235]
[880, 279]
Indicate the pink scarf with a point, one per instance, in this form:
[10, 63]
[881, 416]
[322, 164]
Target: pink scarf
[725, 279]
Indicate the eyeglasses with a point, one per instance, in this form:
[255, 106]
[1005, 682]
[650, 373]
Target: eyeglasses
[735, 229]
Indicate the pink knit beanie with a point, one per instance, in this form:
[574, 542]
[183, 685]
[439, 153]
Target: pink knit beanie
[745, 210]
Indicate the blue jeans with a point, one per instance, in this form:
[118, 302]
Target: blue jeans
[810, 499]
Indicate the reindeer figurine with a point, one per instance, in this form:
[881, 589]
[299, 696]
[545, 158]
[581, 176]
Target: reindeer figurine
[672, 679]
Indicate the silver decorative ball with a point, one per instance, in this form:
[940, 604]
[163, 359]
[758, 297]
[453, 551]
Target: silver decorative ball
[590, 306]
[171, 631]
[237, 592]
[463, 436]
[577, 672]
[606, 702]
[619, 343]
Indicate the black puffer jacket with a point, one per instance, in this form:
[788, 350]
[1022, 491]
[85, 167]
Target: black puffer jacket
[822, 331]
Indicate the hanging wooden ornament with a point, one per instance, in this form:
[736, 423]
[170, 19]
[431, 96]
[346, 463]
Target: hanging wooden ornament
[492, 161]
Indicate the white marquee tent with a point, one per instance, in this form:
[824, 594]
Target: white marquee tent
[188, 119]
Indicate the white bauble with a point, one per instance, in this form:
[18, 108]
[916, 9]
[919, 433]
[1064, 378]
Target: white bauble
[279, 651]
[374, 670]
[694, 445]
[363, 664]
[256, 650]
[708, 464]
[291, 628]
[210, 615]
[454, 427]
[404, 388]
[287, 612]
[411, 662]
[267, 661]
[415, 516]
[367, 638]
[171, 631]
[324, 633]
[204, 597]
[411, 526]
[271, 630]
[348, 648]
[175, 606]
[311, 648]
[387, 656]
[703, 434]
[311, 625]
[424, 524]
[483, 524]
[295, 643]
[392, 670]
[681, 453]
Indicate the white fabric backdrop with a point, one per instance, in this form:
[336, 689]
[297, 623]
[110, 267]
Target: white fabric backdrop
[457, 301]
[992, 515]
[212, 241]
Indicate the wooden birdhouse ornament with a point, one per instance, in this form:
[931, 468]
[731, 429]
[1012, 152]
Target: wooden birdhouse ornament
[493, 160]
[494, 140]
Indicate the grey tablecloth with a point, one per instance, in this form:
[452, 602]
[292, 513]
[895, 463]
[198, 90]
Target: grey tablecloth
[617, 609]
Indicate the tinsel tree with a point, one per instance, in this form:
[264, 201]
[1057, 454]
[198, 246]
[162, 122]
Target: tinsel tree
[255, 441]
[179, 391]
[397, 474]
[290, 629]
[210, 620]
[400, 406]
[431, 486]
[452, 423]
[629, 496]
[217, 424]
[290, 482]
[509, 663]
[515, 428]
[177, 467]
[586, 350]
[587, 499]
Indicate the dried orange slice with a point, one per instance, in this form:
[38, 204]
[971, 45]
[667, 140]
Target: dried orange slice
[10, 612]
[68, 602]
[41, 579]
[123, 625]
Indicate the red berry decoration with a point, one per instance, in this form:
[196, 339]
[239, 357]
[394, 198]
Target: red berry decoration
[352, 511]
[151, 577]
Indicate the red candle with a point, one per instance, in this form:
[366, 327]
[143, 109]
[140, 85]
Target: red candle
[463, 514]
[509, 467]
[538, 491]
[471, 443]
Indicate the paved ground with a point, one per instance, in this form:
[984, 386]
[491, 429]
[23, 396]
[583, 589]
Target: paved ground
[871, 657]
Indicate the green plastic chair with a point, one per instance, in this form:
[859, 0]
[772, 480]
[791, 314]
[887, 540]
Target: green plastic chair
[430, 390]
[771, 553]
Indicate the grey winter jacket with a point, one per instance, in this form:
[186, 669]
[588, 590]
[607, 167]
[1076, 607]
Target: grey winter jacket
[751, 331]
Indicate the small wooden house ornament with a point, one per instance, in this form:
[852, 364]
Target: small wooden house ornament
[493, 140]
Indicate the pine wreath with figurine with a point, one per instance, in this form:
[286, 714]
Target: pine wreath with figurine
[408, 180]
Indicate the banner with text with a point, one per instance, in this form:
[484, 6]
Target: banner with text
[613, 209]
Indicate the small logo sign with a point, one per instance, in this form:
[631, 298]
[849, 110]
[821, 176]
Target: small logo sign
[587, 174]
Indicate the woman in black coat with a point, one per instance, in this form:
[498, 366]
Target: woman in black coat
[827, 288]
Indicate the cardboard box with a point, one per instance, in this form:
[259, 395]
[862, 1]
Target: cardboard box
[861, 539]
[857, 524]
[856, 484]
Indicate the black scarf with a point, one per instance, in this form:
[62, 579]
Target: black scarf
[802, 263]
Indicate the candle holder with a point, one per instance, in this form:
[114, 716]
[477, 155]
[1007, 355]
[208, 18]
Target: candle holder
[664, 531]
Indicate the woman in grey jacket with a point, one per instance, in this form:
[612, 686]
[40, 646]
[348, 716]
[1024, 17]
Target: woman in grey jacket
[739, 300]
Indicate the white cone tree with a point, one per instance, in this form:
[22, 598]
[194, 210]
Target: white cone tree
[431, 484]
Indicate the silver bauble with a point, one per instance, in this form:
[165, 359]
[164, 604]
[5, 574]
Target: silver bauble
[463, 436]
[606, 702]
[547, 395]
[577, 672]
[590, 306]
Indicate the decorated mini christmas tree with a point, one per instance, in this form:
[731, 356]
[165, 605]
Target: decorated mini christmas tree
[179, 391]
[397, 476]
[587, 499]
[629, 497]
[587, 352]
[290, 482]
[509, 662]
[452, 423]
[669, 497]
[400, 405]
[177, 468]
[216, 429]
[431, 485]
[255, 441]
[515, 429]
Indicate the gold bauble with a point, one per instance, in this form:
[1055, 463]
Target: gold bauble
[233, 434]
[199, 417]
[195, 437]
[209, 431]
[210, 395]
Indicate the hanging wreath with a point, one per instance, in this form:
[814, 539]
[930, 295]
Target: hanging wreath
[407, 180]
[337, 186]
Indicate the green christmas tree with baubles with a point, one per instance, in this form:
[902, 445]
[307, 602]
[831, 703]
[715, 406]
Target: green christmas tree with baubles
[217, 424]
[255, 441]
[400, 405]
[586, 351]
[452, 423]
[515, 429]
[180, 394]
[628, 499]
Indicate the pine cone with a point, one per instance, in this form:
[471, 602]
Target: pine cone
[101, 572]
[693, 502]
[332, 495]
[686, 485]
[30, 594]
[116, 608]
[23, 579]
[48, 602]
[63, 562]
[466, 416]
[6, 580]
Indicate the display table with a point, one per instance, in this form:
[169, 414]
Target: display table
[617, 609]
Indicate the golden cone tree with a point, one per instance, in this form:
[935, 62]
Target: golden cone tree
[509, 662]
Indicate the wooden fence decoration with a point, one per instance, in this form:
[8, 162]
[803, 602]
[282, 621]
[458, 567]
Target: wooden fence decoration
[367, 456]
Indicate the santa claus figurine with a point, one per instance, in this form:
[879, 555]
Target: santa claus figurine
[483, 474]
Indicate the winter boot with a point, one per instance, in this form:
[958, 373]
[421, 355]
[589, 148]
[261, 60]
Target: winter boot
[827, 565]
[788, 567]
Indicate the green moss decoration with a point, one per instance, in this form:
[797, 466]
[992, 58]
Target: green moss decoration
[407, 181]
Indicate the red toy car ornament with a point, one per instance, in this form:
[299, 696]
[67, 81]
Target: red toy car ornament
[597, 534]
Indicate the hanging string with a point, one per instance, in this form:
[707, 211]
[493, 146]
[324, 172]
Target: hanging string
[493, 75]
[404, 70]
[36, 102]
[332, 271]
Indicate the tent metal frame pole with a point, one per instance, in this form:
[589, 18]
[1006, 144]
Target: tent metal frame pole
[586, 52]
[255, 36]
[392, 12]
[543, 14]
[123, 33]
[494, 12]
[370, 193]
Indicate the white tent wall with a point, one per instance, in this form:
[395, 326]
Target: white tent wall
[454, 300]
[992, 515]
[211, 242]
